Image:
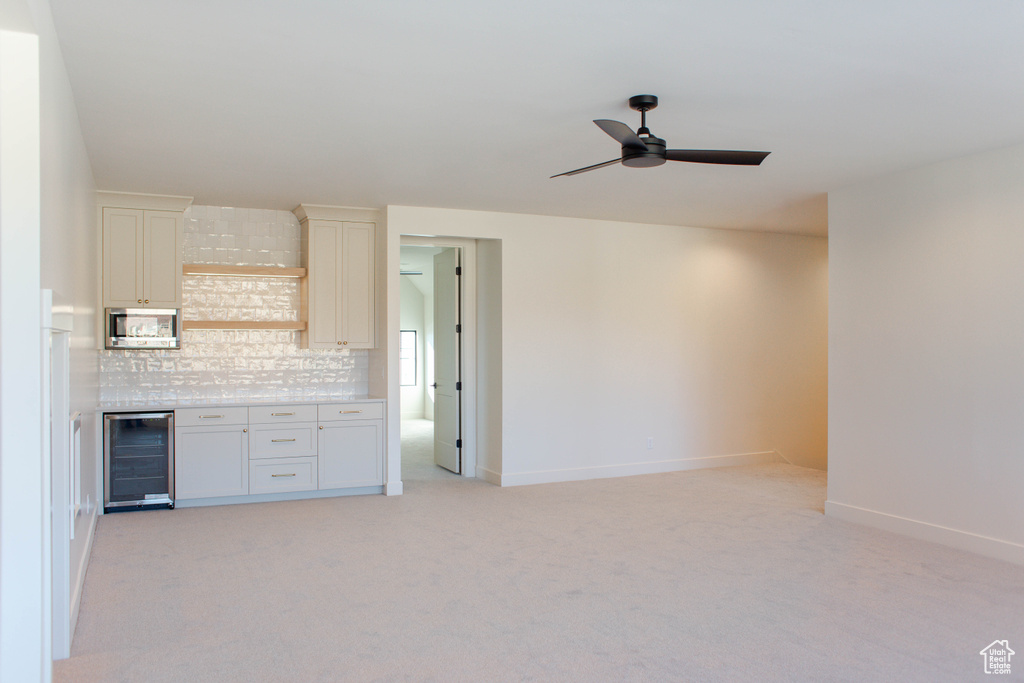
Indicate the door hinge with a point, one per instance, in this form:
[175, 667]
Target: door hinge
[458, 386]
[458, 270]
[458, 329]
[458, 443]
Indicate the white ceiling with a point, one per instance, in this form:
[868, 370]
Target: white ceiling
[470, 104]
[420, 259]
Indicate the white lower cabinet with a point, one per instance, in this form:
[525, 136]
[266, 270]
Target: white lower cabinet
[250, 450]
[210, 462]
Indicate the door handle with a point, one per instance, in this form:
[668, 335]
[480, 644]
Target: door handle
[434, 385]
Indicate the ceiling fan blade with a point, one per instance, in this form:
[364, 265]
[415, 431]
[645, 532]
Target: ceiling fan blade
[588, 168]
[622, 133]
[716, 156]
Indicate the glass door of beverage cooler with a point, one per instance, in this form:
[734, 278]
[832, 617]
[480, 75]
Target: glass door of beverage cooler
[138, 458]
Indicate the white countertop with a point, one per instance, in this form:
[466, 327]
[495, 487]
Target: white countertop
[221, 403]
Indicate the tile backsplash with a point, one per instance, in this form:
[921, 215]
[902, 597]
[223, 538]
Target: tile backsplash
[236, 365]
[242, 237]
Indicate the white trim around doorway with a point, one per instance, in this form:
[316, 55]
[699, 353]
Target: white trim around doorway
[469, 341]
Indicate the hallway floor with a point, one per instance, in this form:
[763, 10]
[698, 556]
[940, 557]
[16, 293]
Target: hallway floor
[418, 454]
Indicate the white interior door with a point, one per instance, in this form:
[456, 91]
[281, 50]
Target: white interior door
[447, 379]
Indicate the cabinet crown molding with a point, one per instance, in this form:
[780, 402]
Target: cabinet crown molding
[138, 200]
[320, 212]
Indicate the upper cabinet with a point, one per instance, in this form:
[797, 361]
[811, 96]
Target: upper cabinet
[142, 250]
[340, 250]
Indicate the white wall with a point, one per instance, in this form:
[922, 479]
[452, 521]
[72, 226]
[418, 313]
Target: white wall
[69, 243]
[926, 361]
[489, 316]
[711, 342]
[24, 626]
[59, 256]
[412, 319]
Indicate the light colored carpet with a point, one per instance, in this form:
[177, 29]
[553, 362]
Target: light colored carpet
[731, 574]
[418, 456]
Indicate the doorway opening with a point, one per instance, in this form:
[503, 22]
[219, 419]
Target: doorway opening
[431, 361]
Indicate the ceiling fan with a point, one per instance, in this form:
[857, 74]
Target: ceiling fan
[641, 149]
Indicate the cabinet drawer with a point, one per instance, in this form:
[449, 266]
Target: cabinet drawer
[333, 412]
[284, 474]
[281, 414]
[285, 441]
[203, 417]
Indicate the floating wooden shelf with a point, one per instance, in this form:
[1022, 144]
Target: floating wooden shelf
[242, 271]
[243, 325]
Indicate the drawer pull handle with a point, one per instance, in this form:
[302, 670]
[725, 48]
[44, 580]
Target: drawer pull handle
[280, 440]
[283, 475]
[210, 417]
[348, 412]
[280, 414]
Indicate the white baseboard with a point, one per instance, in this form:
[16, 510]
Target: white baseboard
[274, 497]
[924, 531]
[393, 488]
[630, 469]
[79, 581]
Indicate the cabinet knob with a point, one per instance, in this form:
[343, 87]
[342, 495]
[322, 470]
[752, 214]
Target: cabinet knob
[244, 431]
[321, 426]
[140, 301]
[344, 343]
[147, 301]
[339, 343]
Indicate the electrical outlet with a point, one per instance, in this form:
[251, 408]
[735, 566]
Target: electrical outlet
[650, 442]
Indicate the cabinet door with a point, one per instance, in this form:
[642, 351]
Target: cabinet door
[350, 454]
[211, 461]
[122, 258]
[356, 286]
[162, 255]
[324, 247]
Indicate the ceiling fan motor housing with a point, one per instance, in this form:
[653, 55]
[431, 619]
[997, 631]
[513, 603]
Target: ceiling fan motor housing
[653, 156]
[643, 102]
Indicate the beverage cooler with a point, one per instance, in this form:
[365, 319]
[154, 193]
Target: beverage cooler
[138, 461]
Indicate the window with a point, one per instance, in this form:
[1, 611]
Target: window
[407, 358]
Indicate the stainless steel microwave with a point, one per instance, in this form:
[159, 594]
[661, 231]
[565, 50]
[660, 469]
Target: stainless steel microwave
[143, 328]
